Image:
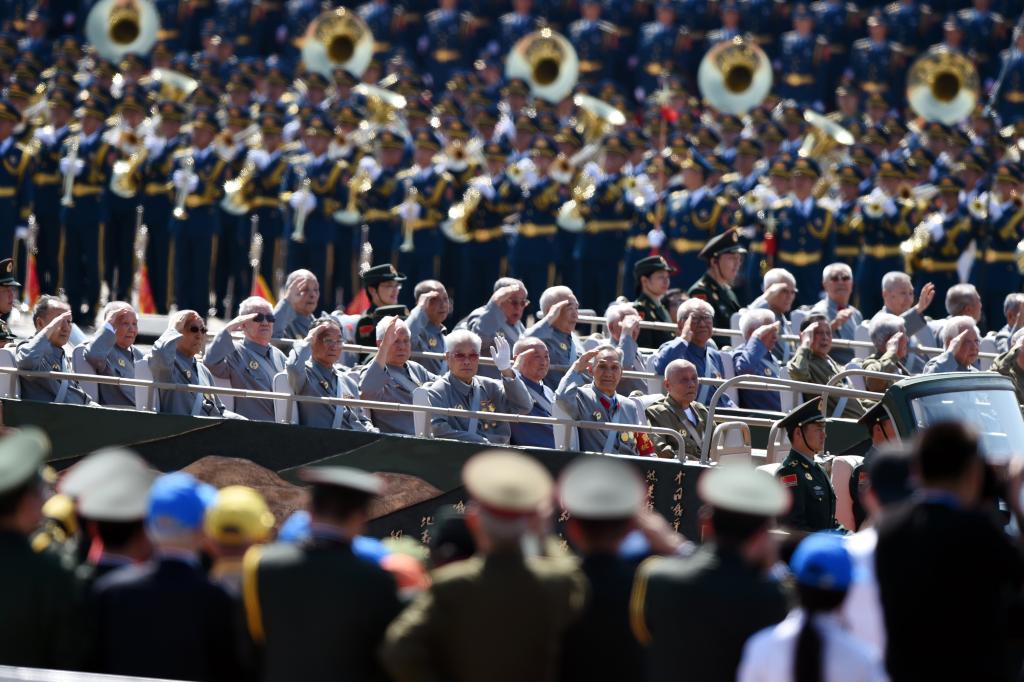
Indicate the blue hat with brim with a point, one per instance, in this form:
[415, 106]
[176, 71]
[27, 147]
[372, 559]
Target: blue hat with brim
[822, 562]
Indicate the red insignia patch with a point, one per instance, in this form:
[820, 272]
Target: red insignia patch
[789, 480]
[702, 297]
[366, 329]
[862, 477]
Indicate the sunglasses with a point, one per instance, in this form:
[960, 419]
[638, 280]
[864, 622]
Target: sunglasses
[840, 278]
[519, 303]
[263, 317]
[197, 330]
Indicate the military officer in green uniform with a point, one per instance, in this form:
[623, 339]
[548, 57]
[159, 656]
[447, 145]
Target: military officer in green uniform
[315, 610]
[38, 595]
[814, 500]
[382, 283]
[652, 275]
[724, 254]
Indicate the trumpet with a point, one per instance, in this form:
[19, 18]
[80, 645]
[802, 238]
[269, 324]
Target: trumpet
[456, 227]
[69, 178]
[181, 195]
[407, 228]
[299, 231]
[123, 181]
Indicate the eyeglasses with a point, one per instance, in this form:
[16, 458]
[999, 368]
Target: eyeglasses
[197, 329]
[840, 278]
[461, 357]
[330, 342]
[263, 317]
[519, 303]
[701, 318]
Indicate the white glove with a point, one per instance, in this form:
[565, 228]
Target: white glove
[65, 166]
[501, 353]
[45, 135]
[303, 201]
[370, 166]
[483, 185]
[182, 179]
[528, 172]
[935, 228]
[21, 232]
[889, 207]
[656, 237]
[410, 210]
[259, 157]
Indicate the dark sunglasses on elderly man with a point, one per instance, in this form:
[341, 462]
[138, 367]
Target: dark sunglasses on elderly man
[263, 317]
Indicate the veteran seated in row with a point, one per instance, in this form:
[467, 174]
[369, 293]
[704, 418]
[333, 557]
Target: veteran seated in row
[295, 312]
[756, 356]
[111, 352]
[252, 362]
[175, 360]
[560, 311]
[312, 372]
[533, 362]
[695, 318]
[622, 324]
[962, 342]
[889, 336]
[461, 387]
[1011, 363]
[679, 410]
[426, 322]
[812, 364]
[392, 377]
[45, 352]
[589, 392]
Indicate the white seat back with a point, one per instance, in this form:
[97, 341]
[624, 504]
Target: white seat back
[421, 420]
[9, 385]
[842, 469]
[856, 380]
[228, 400]
[734, 319]
[730, 441]
[143, 373]
[861, 334]
[987, 345]
[79, 365]
[728, 372]
[566, 435]
[787, 398]
[655, 384]
[796, 316]
[281, 385]
[778, 445]
[770, 469]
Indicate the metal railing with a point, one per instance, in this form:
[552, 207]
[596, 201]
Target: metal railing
[867, 373]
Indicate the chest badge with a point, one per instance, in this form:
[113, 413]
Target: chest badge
[188, 374]
[597, 415]
[624, 437]
[253, 365]
[767, 372]
[808, 476]
[563, 346]
[56, 367]
[326, 386]
[432, 342]
[121, 363]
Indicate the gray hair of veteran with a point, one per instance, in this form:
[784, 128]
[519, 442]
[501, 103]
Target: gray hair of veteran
[894, 277]
[833, 268]
[321, 325]
[507, 282]
[604, 347]
[525, 343]
[959, 297]
[776, 275]
[43, 306]
[177, 320]
[691, 306]
[678, 366]
[254, 304]
[1012, 302]
[425, 286]
[553, 295]
[882, 328]
[616, 312]
[460, 337]
[112, 308]
[382, 326]
[955, 325]
[296, 275]
[754, 318]
[1017, 336]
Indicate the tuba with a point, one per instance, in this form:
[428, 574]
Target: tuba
[824, 136]
[116, 27]
[597, 118]
[237, 191]
[735, 76]
[456, 228]
[124, 180]
[337, 39]
[547, 62]
[943, 86]
[172, 85]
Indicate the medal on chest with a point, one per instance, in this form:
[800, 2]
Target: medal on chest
[121, 363]
[253, 365]
[326, 386]
[563, 346]
[597, 415]
[188, 374]
[432, 342]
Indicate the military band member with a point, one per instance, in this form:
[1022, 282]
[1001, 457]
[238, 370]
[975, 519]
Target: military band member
[814, 499]
[44, 352]
[724, 255]
[377, 204]
[250, 363]
[426, 323]
[295, 312]
[448, 34]
[658, 46]
[231, 271]
[392, 376]
[848, 223]
[382, 284]
[174, 360]
[888, 220]
[801, 61]
[999, 273]
[694, 215]
[1008, 93]
[112, 352]
[461, 387]
[532, 254]
[652, 275]
[262, 177]
[46, 185]
[802, 229]
[695, 319]
[593, 39]
[311, 371]
[947, 234]
[680, 411]
[589, 392]
[876, 65]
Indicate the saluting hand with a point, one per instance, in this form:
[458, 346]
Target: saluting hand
[630, 326]
[807, 335]
[57, 325]
[238, 323]
[386, 342]
[925, 300]
[583, 362]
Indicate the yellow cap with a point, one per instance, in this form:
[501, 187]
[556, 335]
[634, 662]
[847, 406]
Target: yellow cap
[239, 515]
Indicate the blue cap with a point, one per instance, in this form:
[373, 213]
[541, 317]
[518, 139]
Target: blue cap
[177, 503]
[821, 561]
[295, 528]
[369, 548]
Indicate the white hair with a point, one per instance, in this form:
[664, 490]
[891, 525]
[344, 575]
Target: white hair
[692, 305]
[604, 347]
[113, 307]
[833, 268]
[553, 295]
[296, 275]
[754, 318]
[891, 279]
[1012, 301]
[677, 366]
[883, 327]
[617, 311]
[959, 297]
[955, 325]
[176, 320]
[382, 326]
[525, 343]
[252, 304]
[1017, 335]
[507, 282]
[776, 275]
[459, 337]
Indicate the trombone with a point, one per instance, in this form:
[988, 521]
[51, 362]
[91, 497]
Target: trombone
[181, 195]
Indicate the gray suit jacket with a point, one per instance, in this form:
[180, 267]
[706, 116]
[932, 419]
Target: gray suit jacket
[169, 366]
[108, 359]
[288, 324]
[945, 362]
[509, 395]
[246, 365]
[581, 401]
[393, 385]
[426, 338]
[310, 378]
[39, 355]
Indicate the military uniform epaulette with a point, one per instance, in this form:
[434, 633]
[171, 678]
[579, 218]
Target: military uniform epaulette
[405, 174]
[780, 204]
[862, 44]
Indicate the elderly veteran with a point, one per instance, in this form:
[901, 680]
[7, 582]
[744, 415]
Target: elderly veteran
[501, 316]
[898, 298]
[462, 388]
[780, 291]
[112, 353]
[695, 320]
[294, 314]
[174, 360]
[837, 280]
[589, 392]
[1011, 364]
[679, 411]
[44, 352]
[889, 336]
[961, 339]
[760, 337]
[560, 311]
[1013, 306]
[392, 377]
[426, 322]
[250, 363]
[623, 324]
[312, 372]
[532, 362]
[812, 364]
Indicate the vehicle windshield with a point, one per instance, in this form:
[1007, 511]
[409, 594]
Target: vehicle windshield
[995, 414]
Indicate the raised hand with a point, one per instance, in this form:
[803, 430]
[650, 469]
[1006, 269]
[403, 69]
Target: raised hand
[584, 361]
[501, 353]
[239, 322]
[926, 297]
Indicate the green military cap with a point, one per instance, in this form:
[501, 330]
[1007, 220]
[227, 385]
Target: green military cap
[806, 413]
[875, 415]
[742, 489]
[21, 456]
[381, 273]
[7, 278]
[727, 242]
[601, 489]
[507, 482]
[343, 477]
[5, 332]
[651, 264]
[113, 485]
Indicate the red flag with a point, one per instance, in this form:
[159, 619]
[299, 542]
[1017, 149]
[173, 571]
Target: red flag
[359, 305]
[147, 306]
[32, 280]
[261, 288]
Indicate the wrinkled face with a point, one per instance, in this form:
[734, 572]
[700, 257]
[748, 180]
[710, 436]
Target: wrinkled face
[566, 321]
[729, 266]
[308, 296]
[401, 349]
[899, 297]
[439, 308]
[682, 385]
[814, 436]
[7, 295]
[821, 342]
[701, 324]
[770, 339]
[607, 371]
[535, 365]
[968, 353]
[260, 329]
[126, 329]
[63, 331]
[781, 301]
[656, 284]
[973, 309]
[193, 335]
[514, 306]
[463, 361]
[839, 285]
[326, 346]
